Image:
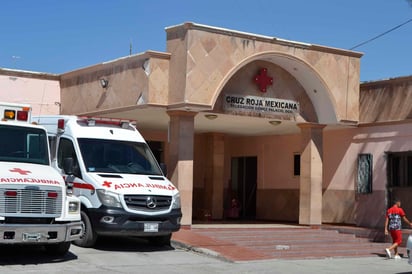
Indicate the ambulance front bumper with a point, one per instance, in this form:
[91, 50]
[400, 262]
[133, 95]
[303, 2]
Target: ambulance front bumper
[117, 222]
[39, 233]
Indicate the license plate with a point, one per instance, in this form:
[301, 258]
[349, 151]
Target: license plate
[151, 227]
[31, 237]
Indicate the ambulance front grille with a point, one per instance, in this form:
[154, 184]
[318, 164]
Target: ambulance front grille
[31, 202]
[148, 203]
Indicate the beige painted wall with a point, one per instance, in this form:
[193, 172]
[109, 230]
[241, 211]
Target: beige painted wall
[134, 80]
[341, 202]
[278, 189]
[42, 94]
[204, 58]
[284, 86]
[386, 100]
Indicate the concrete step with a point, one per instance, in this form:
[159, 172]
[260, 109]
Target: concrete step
[239, 244]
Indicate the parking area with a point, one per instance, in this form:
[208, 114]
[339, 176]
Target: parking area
[129, 255]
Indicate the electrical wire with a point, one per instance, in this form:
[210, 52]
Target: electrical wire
[382, 34]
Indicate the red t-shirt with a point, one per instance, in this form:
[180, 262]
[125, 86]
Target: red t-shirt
[395, 215]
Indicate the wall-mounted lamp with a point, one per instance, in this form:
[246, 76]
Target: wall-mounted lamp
[211, 116]
[104, 82]
[274, 122]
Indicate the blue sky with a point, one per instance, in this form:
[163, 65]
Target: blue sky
[60, 36]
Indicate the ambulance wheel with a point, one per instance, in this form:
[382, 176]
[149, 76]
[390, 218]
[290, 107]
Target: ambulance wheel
[89, 237]
[161, 240]
[59, 249]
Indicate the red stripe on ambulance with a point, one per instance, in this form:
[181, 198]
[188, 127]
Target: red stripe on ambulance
[82, 186]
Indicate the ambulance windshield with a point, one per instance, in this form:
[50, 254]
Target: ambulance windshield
[23, 144]
[114, 156]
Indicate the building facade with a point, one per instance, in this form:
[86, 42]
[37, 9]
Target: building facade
[259, 128]
[40, 90]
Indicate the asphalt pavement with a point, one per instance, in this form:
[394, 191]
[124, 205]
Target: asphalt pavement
[215, 249]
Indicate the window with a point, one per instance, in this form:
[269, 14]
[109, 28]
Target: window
[52, 145]
[66, 150]
[23, 144]
[400, 169]
[114, 156]
[364, 173]
[296, 165]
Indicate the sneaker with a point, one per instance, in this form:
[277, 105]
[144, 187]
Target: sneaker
[388, 253]
[397, 257]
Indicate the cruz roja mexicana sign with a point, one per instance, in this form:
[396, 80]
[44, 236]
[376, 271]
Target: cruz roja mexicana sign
[240, 103]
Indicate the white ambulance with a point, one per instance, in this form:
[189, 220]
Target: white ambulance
[36, 206]
[122, 188]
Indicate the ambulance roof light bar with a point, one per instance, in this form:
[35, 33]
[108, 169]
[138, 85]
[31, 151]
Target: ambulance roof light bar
[60, 126]
[92, 121]
[16, 114]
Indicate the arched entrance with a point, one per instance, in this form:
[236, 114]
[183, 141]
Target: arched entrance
[254, 173]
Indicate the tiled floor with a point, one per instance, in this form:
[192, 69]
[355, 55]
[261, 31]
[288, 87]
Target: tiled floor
[258, 242]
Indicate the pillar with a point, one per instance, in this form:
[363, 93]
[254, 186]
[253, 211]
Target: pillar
[214, 186]
[310, 201]
[181, 136]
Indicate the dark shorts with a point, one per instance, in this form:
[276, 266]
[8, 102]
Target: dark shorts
[396, 236]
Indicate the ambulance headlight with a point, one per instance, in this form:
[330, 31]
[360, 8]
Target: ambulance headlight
[176, 201]
[74, 207]
[109, 198]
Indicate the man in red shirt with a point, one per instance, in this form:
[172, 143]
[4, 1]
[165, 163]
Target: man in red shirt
[393, 222]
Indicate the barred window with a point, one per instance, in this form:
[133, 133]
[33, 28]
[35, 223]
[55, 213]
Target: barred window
[365, 173]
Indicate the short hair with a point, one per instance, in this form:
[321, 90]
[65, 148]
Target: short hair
[396, 200]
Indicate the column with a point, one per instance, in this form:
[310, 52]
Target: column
[310, 202]
[181, 135]
[214, 186]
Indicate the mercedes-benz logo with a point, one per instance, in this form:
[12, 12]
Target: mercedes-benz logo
[151, 202]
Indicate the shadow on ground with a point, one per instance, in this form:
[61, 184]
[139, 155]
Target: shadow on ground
[30, 254]
[128, 244]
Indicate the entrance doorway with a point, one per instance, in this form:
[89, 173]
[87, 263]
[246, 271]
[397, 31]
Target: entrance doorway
[244, 176]
[399, 170]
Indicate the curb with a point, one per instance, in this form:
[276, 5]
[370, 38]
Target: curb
[200, 250]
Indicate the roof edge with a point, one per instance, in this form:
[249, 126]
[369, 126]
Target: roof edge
[263, 38]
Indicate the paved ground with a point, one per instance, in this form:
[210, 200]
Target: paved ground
[238, 243]
[133, 256]
[218, 249]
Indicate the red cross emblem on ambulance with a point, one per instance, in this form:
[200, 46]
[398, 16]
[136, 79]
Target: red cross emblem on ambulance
[107, 184]
[19, 170]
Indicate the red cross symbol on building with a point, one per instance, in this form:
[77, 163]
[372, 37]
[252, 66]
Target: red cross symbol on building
[263, 80]
[107, 184]
[21, 171]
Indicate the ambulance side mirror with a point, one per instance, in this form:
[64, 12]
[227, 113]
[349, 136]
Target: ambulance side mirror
[68, 169]
[68, 165]
[163, 167]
